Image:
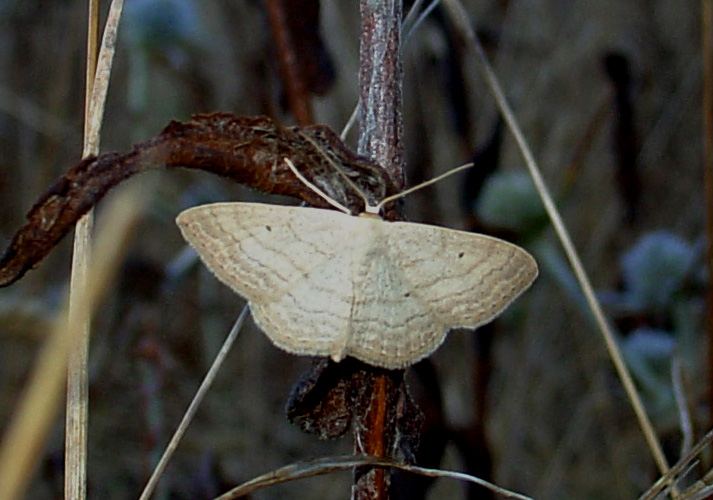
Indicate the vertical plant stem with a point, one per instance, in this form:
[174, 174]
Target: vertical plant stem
[290, 71]
[380, 138]
[97, 83]
[372, 483]
[75, 450]
[707, 41]
[380, 82]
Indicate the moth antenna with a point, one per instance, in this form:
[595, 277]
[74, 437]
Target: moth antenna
[314, 188]
[336, 166]
[410, 190]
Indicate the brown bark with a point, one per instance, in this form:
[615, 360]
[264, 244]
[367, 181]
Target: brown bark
[380, 138]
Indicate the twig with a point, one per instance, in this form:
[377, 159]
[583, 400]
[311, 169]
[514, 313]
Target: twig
[328, 465]
[411, 25]
[76, 406]
[460, 20]
[408, 29]
[193, 407]
[684, 415]
[380, 81]
[380, 138]
[668, 478]
[97, 83]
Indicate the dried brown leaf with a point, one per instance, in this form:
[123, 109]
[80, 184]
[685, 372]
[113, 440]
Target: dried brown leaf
[249, 151]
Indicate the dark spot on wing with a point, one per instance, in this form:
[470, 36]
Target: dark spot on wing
[268, 228]
[460, 255]
[407, 294]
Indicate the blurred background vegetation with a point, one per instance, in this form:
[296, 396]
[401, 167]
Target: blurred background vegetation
[609, 95]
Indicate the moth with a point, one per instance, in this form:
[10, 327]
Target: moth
[326, 283]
